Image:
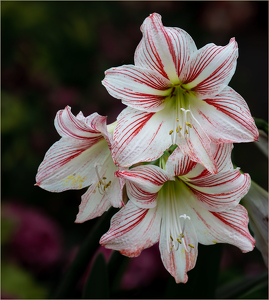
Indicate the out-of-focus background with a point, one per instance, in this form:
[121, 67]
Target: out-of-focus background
[54, 54]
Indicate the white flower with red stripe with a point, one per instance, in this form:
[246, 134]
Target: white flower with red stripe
[179, 95]
[82, 158]
[180, 207]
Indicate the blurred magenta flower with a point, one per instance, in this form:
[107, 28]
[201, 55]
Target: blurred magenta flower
[143, 269]
[36, 240]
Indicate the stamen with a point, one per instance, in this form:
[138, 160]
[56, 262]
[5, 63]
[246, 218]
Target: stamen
[179, 240]
[171, 238]
[189, 124]
[171, 131]
[191, 245]
[177, 130]
[177, 120]
[179, 127]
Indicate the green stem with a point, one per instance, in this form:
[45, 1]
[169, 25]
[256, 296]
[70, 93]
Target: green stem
[86, 252]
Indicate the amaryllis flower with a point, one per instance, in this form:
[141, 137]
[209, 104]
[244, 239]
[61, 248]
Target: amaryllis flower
[81, 158]
[179, 95]
[179, 207]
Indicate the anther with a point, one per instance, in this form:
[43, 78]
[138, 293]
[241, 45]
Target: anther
[171, 238]
[177, 120]
[179, 240]
[179, 127]
[187, 131]
[171, 131]
[189, 124]
[177, 130]
[104, 178]
[191, 245]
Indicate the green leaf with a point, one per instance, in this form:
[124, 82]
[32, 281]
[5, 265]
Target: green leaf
[202, 279]
[21, 284]
[241, 288]
[97, 285]
[84, 255]
[261, 124]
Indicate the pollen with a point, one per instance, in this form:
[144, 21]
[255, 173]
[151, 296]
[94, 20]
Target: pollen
[171, 131]
[179, 127]
[177, 120]
[177, 130]
[215, 242]
[72, 180]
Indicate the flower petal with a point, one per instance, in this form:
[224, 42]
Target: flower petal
[156, 49]
[197, 146]
[132, 230]
[226, 118]
[141, 136]
[220, 191]
[78, 128]
[179, 163]
[143, 184]
[179, 262]
[138, 87]
[93, 204]
[163, 49]
[210, 69]
[222, 157]
[230, 226]
[70, 165]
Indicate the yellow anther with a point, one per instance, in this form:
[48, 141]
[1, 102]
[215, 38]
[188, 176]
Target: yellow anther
[179, 127]
[171, 131]
[191, 245]
[182, 236]
[109, 183]
[177, 120]
[98, 185]
[172, 247]
[215, 242]
[189, 124]
[104, 178]
[187, 131]
[171, 238]
[177, 130]
[179, 240]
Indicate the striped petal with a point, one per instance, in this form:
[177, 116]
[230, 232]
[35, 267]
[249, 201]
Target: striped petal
[141, 136]
[226, 118]
[132, 229]
[138, 87]
[143, 184]
[78, 128]
[179, 163]
[210, 69]
[229, 226]
[99, 197]
[222, 158]
[220, 191]
[163, 49]
[179, 262]
[69, 163]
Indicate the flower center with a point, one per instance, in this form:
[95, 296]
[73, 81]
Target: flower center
[102, 185]
[182, 115]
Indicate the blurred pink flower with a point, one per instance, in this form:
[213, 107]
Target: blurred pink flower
[36, 241]
[144, 269]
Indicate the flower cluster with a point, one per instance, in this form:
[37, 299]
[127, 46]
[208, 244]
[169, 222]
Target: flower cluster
[170, 149]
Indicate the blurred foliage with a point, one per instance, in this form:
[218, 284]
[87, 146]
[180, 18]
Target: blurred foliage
[55, 53]
[20, 283]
